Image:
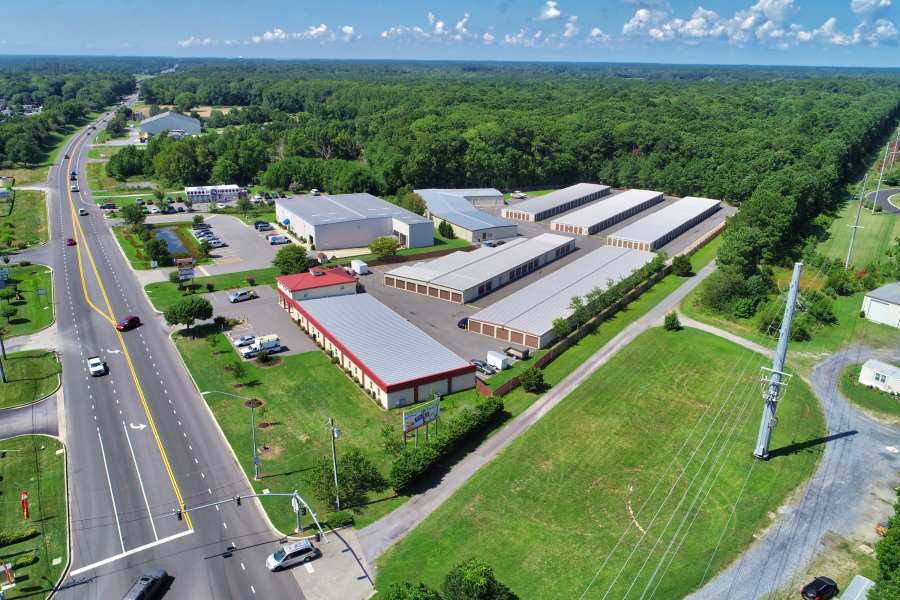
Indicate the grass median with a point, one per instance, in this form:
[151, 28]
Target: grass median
[34, 310]
[23, 222]
[611, 461]
[31, 376]
[871, 399]
[163, 294]
[34, 463]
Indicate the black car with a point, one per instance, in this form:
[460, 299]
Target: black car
[108, 206]
[149, 585]
[463, 323]
[820, 588]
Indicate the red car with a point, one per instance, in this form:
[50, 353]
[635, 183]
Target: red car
[129, 322]
[70, 242]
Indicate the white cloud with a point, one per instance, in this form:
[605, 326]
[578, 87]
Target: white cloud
[320, 33]
[867, 8]
[526, 39]
[884, 31]
[571, 27]
[550, 11]
[597, 36]
[488, 38]
[196, 41]
[643, 18]
[348, 33]
[462, 27]
[436, 31]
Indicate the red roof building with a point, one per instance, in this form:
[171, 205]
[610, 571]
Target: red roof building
[317, 283]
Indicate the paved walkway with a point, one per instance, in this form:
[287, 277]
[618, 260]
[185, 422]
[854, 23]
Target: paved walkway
[39, 417]
[758, 348]
[47, 338]
[382, 534]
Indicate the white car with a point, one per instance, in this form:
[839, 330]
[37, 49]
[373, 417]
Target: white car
[96, 366]
[519, 195]
[221, 205]
[241, 295]
[82, 212]
[244, 340]
[292, 554]
[153, 210]
[216, 243]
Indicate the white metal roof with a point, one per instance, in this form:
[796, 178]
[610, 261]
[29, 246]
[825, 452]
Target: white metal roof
[533, 308]
[465, 270]
[454, 206]
[391, 347]
[889, 292]
[607, 208]
[539, 204]
[339, 208]
[658, 224]
[172, 114]
[883, 367]
[205, 188]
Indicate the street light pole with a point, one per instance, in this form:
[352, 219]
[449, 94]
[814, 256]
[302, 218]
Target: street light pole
[252, 425]
[335, 432]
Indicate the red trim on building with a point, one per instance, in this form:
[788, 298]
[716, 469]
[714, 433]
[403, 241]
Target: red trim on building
[365, 369]
[308, 281]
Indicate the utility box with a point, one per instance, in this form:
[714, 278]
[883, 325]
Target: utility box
[359, 267]
[497, 360]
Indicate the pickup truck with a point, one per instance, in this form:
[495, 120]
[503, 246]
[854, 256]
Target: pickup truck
[269, 343]
[96, 366]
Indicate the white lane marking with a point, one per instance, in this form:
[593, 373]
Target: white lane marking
[309, 568]
[252, 589]
[217, 507]
[111, 494]
[196, 461]
[209, 490]
[106, 561]
[243, 568]
[224, 524]
[140, 481]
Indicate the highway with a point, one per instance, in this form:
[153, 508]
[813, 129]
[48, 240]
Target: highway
[141, 442]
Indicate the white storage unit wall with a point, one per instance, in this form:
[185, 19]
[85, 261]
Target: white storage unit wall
[606, 213]
[658, 229]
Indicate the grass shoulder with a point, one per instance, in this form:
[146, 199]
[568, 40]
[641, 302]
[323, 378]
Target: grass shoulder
[23, 222]
[877, 233]
[31, 375]
[583, 473]
[871, 399]
[33, 302]
[34, 463]
[163, 294]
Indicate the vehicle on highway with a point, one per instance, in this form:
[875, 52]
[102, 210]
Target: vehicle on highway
[73, 176]
[820, 588]
[73, 187]
[70, 242]
[463, 323]
[149, 585]
[275, 240]
[482, 367]
[82, 212]
[66, 157]
[292, 554]
[244, 340]
[129, 322]
[96, 366]
[241, 295]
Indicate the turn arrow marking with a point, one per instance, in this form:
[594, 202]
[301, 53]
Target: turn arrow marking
[139, 426]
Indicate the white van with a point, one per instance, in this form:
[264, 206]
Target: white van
[269, 343]
[275, 240]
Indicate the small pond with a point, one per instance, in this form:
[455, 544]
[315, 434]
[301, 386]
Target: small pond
[170, 237]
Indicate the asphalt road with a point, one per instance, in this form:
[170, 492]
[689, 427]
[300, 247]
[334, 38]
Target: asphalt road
[140, 437]
[882, 199]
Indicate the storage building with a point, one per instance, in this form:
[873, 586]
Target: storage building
[663, 226]
[394, 361]
[881, 375]
[458, 208]
[526, 316]
[464, 276]
[554, 203]
[315, 283]
[606, 213]
[213, 193]
[351, 221]
[882, 305]
[170, 121]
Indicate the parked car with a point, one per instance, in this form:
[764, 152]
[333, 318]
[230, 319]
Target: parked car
[241, 295]
[463, 323]
[820, 588]
[292, 554]
[139, 202]
[70, 242]
[519, 195]
[198, 226]
[149, 585]
[489, 243]
[315, 192]
[244, 340]
[482, 367]
[82, 212]
[269, 343]
[275, 240]
[109, 206]
[96, 366]
[180, 209]
[216, 243]
[129, 322]
[264, 227]
[258, 224]
[221, 205]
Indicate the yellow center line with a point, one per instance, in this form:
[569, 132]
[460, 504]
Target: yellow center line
[110, 317]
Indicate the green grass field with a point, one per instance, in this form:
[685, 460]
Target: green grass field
[34, 312]
[300, 394]
[877, 233]
[548, 512]
[23, 222]
[31, 463]
[163, 294]
[31, 376]
[104, 152]
[868, 398]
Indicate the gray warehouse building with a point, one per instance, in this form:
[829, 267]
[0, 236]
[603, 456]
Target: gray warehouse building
[464, 276]
[458, 208]
[170, 121]
[600, 215]
[351, 221]
[526, 316]
[658, 229]
[554, 203]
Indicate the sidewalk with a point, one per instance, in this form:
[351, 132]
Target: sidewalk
[387, 531]
[47, 338]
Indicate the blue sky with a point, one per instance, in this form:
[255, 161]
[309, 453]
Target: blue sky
[806, 32]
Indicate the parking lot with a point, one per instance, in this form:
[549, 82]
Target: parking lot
[262, 316]
[341, 572]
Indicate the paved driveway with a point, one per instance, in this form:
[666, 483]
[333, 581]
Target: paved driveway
[882, 201]
[263, 316]
[247, 248]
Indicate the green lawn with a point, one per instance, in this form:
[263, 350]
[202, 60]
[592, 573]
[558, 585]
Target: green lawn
[877, 233]
[133, 246]
[104, 152]
[548, 512]
[440, 243]
[23, 222]
[300, 394]
[868, 398]
[163, 294]
[33, 312]
[31, 463]
[31, 376]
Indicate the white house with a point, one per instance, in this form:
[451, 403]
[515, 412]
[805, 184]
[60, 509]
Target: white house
[882, 305]
[881, 375]
[170, 121]
[213, 193]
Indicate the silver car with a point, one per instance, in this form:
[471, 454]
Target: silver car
[292, 554]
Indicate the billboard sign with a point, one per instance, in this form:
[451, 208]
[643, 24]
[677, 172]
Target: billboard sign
[419, 417]
[185, 274]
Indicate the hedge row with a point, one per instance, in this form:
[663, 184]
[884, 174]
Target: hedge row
[413, 463]
[7, 538]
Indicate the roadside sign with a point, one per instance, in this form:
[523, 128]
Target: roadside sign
[42, 291]
[337, 433]
[422, 416]
[185, 274]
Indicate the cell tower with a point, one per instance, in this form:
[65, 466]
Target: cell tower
[776, 376]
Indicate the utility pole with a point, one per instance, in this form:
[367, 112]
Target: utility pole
[2, 371]
[335, 434]
[776, 373]
[855, 226]
[2, 347]
[878, 188]
[894, 151]
[253, 438]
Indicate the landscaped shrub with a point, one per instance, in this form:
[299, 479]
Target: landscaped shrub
[25, 560]
[8, 538]
[532, 379]
[413, 463]
[672, 323]
[341, 518]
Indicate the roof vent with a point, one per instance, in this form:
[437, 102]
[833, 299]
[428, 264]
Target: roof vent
[317, 273]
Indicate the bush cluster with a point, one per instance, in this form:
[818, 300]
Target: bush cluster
[7, 538]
